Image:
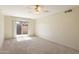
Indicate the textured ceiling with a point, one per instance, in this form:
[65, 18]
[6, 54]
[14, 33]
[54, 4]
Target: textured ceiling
[27, 11]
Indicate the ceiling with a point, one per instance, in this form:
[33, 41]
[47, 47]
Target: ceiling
[27, 11]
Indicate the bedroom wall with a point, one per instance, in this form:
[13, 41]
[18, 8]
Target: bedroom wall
[60, 28]
[8, 27]
[1, 28]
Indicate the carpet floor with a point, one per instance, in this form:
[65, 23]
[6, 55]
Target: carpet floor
[34, 45]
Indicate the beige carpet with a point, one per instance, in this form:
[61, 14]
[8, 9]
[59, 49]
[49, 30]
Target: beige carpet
[34, 45]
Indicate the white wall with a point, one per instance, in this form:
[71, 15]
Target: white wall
[10, 26]
[61, 28]
[1, 29]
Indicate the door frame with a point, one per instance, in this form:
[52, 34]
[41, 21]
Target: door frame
[15, 27]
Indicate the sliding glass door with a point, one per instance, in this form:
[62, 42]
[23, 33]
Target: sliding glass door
[21, 28]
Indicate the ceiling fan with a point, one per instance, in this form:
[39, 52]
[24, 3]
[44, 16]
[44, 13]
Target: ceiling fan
[38, 9]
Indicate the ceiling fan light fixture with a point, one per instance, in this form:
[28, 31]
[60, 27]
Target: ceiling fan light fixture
[37, 9]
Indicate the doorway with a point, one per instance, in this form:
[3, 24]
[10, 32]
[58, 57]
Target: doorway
[22, 31]
[21, 28]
